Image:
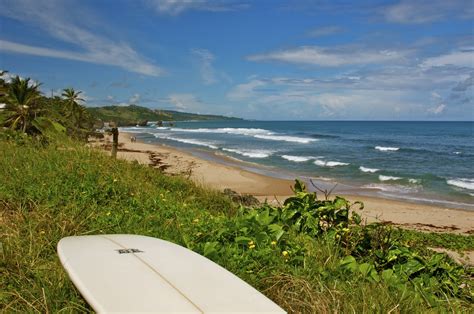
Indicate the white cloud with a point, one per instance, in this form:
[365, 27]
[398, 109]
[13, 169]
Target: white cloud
[437, 109]
[456, 58]
[332, 57]
[398, 92]
[206, 68]
[426, 11]
[245, 90]
[53, 17]
[176, 7]
[184, 102]
[134, 99]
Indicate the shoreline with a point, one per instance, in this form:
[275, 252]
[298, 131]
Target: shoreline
[228, 173]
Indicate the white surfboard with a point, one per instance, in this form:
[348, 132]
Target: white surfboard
[132, 273]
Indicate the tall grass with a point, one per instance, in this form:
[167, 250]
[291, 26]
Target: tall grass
[64, 189]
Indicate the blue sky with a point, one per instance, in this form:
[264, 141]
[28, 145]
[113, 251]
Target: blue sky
[278, 60]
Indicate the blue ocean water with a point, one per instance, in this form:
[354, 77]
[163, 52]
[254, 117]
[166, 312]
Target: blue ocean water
[429, 162]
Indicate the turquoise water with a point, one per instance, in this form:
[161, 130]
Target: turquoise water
[429, 162]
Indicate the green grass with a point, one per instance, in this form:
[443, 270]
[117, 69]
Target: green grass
[450, 241]
[47, 193]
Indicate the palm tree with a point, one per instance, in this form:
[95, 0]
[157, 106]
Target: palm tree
[21, 105]
[3, 87]
[74, 109]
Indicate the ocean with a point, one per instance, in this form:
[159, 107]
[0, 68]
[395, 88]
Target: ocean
[423, 162]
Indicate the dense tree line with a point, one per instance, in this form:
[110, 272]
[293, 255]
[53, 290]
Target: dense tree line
[25, 109]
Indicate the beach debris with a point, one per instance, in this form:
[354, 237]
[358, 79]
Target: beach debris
[244, 199]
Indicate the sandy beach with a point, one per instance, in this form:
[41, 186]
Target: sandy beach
[222, 175]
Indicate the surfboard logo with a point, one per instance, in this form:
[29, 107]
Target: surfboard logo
[128, 251]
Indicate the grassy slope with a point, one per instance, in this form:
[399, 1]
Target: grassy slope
[132, 114]
[49, 193]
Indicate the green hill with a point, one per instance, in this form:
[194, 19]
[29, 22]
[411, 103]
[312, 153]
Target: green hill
[133, 114]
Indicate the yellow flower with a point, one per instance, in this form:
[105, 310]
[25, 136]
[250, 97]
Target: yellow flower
[274, 242]
[338, 236]
[284, 253]
[252, 246]
[115, 180]
[196, 220]
[42, 232]
[250, 243]
[108, 214]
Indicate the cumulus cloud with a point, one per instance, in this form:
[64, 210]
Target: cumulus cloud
[53, 17]
[332, 57]
[176, 7]
[384, 92]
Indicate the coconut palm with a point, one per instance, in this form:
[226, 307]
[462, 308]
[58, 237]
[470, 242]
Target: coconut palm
[3, 86]
[22, 99]
[74, 110]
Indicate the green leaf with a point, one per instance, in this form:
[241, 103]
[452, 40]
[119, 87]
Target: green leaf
[365, 269]
[242, 240]
[210, 249]
[349, 263]
[276, 230]
[264, 218]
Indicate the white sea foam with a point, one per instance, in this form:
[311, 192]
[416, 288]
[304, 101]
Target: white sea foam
[464, 183]
[297, 158]
[135, 129]
[252, 153]
[238, 131]
[255, 132]
[323, 163]
[386, 149]
[456, 153]
[394, 188]
[285, 138]
[370, 170]
[187, 141]
[388, 178]
[414, 181]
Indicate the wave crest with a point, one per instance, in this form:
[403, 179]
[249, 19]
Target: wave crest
[369, 170]
[388, 178]
[252, 153]
[323, 163]
[463, 183]
[387, 149]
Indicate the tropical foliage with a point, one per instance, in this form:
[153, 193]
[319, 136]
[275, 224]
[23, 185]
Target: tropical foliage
[26, 110]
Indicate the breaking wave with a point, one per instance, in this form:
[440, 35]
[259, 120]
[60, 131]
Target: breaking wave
[323, 163]
[388, 178]
[369, 170]
[252, 153]
[387, 149]
[463, 183]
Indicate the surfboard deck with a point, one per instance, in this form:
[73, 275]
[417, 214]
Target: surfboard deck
[133, 273]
